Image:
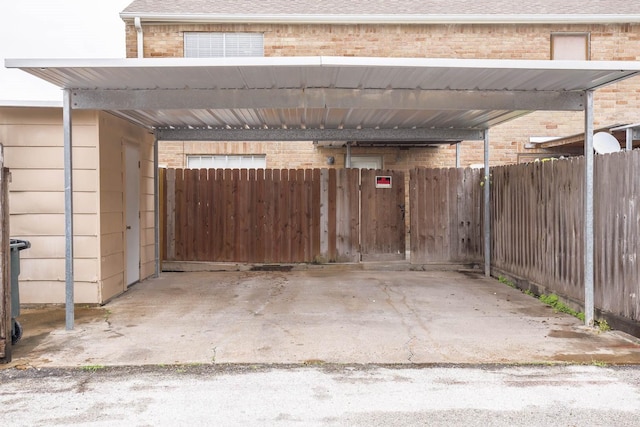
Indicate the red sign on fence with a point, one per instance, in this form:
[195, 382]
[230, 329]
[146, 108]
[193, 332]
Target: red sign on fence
[383, 181]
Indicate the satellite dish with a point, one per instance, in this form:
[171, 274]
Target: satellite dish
[605, 143]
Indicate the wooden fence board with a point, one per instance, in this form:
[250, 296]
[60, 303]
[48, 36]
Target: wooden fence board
[324, 215]
[314, 207]
[446, 209]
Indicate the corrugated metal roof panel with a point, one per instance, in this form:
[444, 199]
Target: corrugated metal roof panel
[324, 92]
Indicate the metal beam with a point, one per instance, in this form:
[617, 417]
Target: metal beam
[416, 135]
[588, 212]
[487, 208]
[68, 209]
[321, 98]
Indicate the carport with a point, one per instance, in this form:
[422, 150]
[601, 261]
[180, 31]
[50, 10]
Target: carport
[400, 100]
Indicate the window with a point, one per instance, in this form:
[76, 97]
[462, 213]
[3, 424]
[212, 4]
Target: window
[366, 162]
[570, 46]
[258, 161]
[214, 45]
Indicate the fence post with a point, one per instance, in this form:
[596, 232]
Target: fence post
[6, 325]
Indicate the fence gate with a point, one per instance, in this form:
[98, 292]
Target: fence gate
[382, 210]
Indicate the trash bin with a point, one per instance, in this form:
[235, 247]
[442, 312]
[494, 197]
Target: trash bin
[16, 246]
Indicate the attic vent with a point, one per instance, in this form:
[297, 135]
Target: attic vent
[215, 45]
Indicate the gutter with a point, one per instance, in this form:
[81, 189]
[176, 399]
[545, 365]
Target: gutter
[139, 37]
[385, 19]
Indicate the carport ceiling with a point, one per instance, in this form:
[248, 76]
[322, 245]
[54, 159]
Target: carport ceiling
[324, 98]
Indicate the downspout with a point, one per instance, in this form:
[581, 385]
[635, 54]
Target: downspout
[140, 37]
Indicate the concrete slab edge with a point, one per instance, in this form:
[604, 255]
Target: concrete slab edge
[199, 266]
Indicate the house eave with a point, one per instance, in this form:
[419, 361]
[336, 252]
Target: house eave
[345, 19]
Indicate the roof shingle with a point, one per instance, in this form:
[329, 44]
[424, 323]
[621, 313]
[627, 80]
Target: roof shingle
[383, 7]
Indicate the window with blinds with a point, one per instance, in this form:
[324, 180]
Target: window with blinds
[216, 45]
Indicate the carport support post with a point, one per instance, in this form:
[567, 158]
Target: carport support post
[458, 155]
[588, 210]
[156, 200]
[487, 208]
[68, 208]
[629, 139]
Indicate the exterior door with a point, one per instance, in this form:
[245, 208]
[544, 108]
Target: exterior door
[132, 199]
[382, 223]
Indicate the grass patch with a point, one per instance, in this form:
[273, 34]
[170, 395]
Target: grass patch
[603, 325]
[553, 301]
[92, 368]
[507, 282]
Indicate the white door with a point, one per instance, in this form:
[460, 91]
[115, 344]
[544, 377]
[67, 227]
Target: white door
[132, 206]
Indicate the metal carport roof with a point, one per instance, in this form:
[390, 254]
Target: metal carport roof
[328, 98]
[324, 98]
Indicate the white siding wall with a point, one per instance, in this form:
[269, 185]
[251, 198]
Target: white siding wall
[114, 133]
[33, 140]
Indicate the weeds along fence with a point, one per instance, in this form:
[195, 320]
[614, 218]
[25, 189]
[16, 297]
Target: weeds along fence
[538, 228]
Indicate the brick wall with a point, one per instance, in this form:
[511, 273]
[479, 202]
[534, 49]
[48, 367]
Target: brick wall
[617, 104]
[304, 154]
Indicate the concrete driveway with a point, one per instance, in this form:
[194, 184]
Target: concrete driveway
[315, 316]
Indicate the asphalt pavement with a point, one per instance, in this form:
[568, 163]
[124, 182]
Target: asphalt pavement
[322, 395]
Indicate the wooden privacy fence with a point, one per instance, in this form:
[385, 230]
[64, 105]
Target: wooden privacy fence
[538, 228]
[262, 216]
[537, 222]
[446, 215]
[326, 215]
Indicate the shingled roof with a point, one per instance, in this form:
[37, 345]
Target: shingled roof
[428, 10]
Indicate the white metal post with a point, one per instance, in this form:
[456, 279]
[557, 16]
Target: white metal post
[68, 209]
[458, 155]
[156, 199]
[487, 208]
[629, 139]
[588, 211]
